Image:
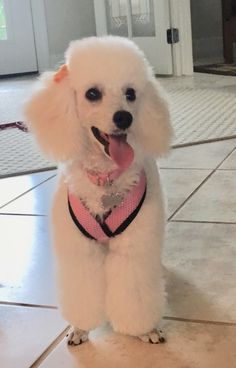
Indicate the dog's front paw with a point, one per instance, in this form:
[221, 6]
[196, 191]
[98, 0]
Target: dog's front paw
[155, 336]
[77, 337]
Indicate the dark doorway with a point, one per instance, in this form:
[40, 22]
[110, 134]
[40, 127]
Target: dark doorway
[229, 29]
[214, 36]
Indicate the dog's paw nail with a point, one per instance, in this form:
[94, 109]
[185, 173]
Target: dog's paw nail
[77, 337]
[154, 337]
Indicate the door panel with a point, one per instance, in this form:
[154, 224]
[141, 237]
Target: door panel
[143, 21]
[17, 47]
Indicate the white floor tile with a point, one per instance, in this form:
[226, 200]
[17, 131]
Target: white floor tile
[13, 187]
[36, 202]
[230, 163]
[25, 333]
[179, 184]
[215, 201]
[201, 156]
[26, 265]
[199, 261]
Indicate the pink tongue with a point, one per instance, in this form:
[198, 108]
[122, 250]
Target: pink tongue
[120, 151]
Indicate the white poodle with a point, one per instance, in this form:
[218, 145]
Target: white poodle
[103, 117]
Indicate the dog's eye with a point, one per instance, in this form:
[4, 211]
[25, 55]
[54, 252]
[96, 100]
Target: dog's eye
[93, 94]
[130, 95]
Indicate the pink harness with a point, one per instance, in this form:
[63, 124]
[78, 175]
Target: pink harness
[117, 219]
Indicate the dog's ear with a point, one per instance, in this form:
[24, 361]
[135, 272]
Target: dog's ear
[51, 114]
[154, 127]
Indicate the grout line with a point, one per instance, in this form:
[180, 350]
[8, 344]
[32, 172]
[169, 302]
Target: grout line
[205, 222]
[200, 185]
[50, 348]
[202, 321]
[230, 169]
[27, 305]
[29, 172]
[27, 191]
[233, 150]
[181, 145]
[21, 214]
[190, 196]
[200, 168]
[187, 168]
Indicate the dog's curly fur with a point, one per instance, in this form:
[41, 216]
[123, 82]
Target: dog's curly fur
[122, 280]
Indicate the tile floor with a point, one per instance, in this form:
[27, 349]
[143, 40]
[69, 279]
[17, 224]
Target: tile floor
[199, 262]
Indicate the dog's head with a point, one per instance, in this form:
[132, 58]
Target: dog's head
[103, 101]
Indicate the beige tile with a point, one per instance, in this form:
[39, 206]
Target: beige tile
[202, 156]
[13, 187]
[35, 202]
[200, 80]
[190, 345]
[215, 201]
[17, 90]
[199, 262]
[26, 265]
[25, 333]
[201, 109]
[179, 184]
[230, 163]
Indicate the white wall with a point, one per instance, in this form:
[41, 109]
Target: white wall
[67, 20]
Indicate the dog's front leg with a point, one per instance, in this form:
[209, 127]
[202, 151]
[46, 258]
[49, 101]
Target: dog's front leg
[135, 291]
[135, 295]
[80, 273]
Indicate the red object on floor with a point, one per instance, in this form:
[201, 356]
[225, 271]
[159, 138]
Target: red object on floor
[17, 124]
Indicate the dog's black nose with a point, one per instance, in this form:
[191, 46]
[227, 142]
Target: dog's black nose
[122, 119]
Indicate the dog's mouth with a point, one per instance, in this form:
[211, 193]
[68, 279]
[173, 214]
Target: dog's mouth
[116, 146]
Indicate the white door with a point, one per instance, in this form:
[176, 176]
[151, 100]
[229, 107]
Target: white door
[144, 21]
[17, 48]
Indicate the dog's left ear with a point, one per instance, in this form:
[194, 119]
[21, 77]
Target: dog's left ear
[154, 128]
[51, 114]
[61, 74]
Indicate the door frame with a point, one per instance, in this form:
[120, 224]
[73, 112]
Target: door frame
[40, 34]
[182, 53]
